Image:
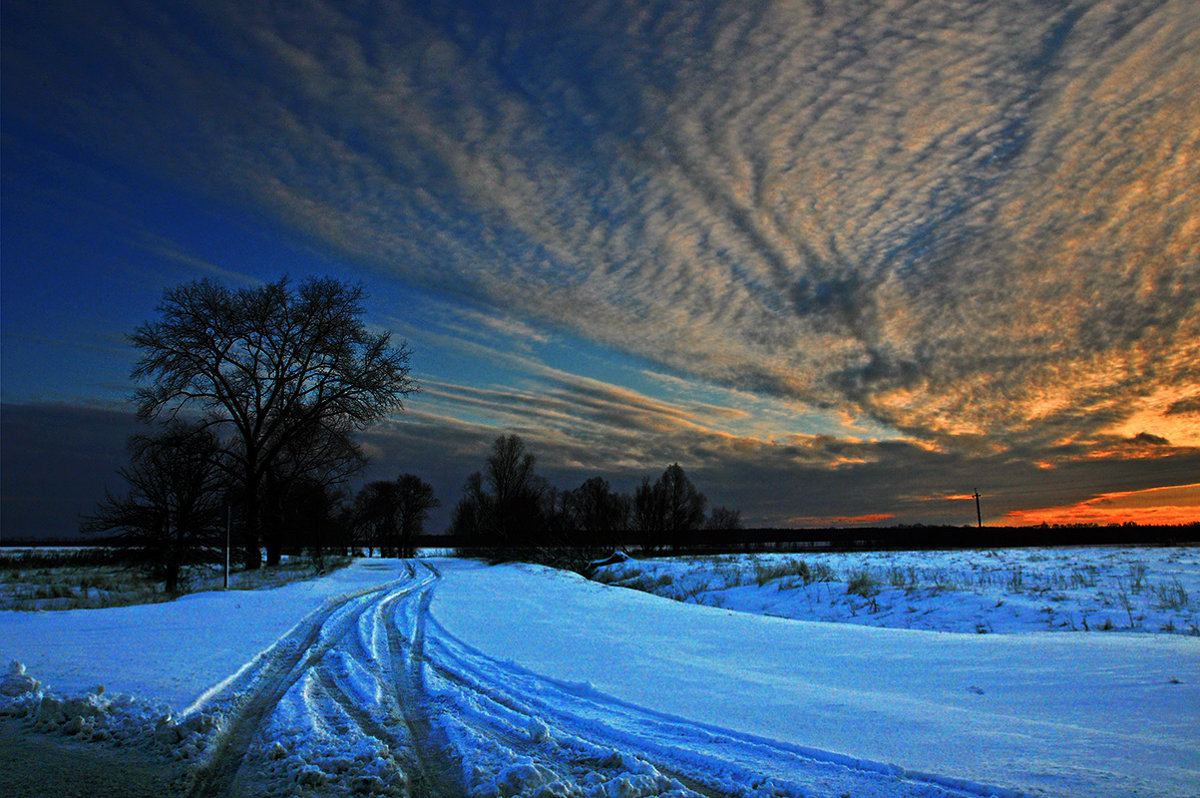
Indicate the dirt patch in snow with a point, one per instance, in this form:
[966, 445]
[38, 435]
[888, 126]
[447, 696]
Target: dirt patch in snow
[37, 764]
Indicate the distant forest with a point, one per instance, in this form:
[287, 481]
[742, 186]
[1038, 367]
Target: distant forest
[908, 537]
[897, 538]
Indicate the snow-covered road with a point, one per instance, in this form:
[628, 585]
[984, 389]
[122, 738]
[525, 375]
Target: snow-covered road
[372, 693]
[444, 677]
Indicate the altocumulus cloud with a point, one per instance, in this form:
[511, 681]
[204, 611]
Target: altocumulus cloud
[966, 221]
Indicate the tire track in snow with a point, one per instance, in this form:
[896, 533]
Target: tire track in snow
[366, 722]
[256, 693]
[439, 773]
[706, 760]
[376, 665]
[510, 724]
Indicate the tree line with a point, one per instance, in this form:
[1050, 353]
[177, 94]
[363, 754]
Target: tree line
[251, 400]
[507, 510]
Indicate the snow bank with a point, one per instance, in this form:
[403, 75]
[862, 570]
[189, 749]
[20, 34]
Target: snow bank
[1068, 715]
[174, 651]
[100, 716]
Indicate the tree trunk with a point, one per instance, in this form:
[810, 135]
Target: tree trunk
[252, 551]
[274, 547]
[172, 576]
[252, 543]
[273, 527]
[273, 519]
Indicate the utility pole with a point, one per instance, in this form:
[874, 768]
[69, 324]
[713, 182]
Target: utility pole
[228, 524]
[978, 514]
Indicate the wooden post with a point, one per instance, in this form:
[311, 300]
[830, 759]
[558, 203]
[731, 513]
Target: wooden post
[978, 514]
[228, 524]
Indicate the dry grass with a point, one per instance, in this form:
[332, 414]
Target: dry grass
[96, 578]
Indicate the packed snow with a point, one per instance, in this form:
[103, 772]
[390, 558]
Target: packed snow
[447, 677]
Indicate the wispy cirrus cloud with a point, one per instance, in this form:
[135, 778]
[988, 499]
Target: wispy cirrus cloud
[971, 230]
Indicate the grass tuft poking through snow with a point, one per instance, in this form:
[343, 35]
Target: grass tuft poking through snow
[97, 578]
[1079, 590]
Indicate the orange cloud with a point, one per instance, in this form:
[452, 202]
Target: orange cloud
[832, 520]
[1179, 504]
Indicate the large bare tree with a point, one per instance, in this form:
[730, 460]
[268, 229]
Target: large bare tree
[271, 365]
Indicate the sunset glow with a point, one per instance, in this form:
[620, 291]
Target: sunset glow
[831, 258]
[1174, 505]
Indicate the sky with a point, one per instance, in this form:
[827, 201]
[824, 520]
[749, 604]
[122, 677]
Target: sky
[846, 263]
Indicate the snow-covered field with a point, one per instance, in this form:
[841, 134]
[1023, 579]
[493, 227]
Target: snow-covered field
[443, 677]
[1153, 590]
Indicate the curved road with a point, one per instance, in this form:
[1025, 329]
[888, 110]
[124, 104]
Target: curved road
[370, 695]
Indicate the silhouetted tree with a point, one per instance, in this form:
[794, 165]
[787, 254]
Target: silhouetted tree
[722, 519]
[558, 517]
[470, 516]
[270, 365]
[516, 492]
[503, 507]
[394, 512]
[314, 515]
[173, 514]
[375, 515]
[414, 501]
[310, 468]
[684, 505]
[666, 511]
[649, 515]
[599, 514]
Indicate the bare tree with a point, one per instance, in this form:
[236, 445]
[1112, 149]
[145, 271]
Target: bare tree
[648, 515]
[723, 519]
[375, 514]
[502, 508]
[393, 513]
[471, 513]
[599, 515]
[270, 365]
[316, 461]
[314, 515]
[415, 500]
[684, 505]
[172, 515]
[516, 492]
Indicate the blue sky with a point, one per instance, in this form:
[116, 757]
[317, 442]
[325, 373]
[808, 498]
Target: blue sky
[844, 262]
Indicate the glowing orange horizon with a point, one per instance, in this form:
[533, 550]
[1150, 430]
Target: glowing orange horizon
[830, 520]
[1179, 504]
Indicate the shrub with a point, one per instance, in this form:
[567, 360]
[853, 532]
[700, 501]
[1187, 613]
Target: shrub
[1171, 596]
[821, 572]
[646, 582]
[1084, 577]
[905, 578]
[612, 576]
[767, 572]
[862, 583]
[1137, 576]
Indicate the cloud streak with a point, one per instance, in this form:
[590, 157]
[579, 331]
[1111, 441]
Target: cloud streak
[973, 226]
